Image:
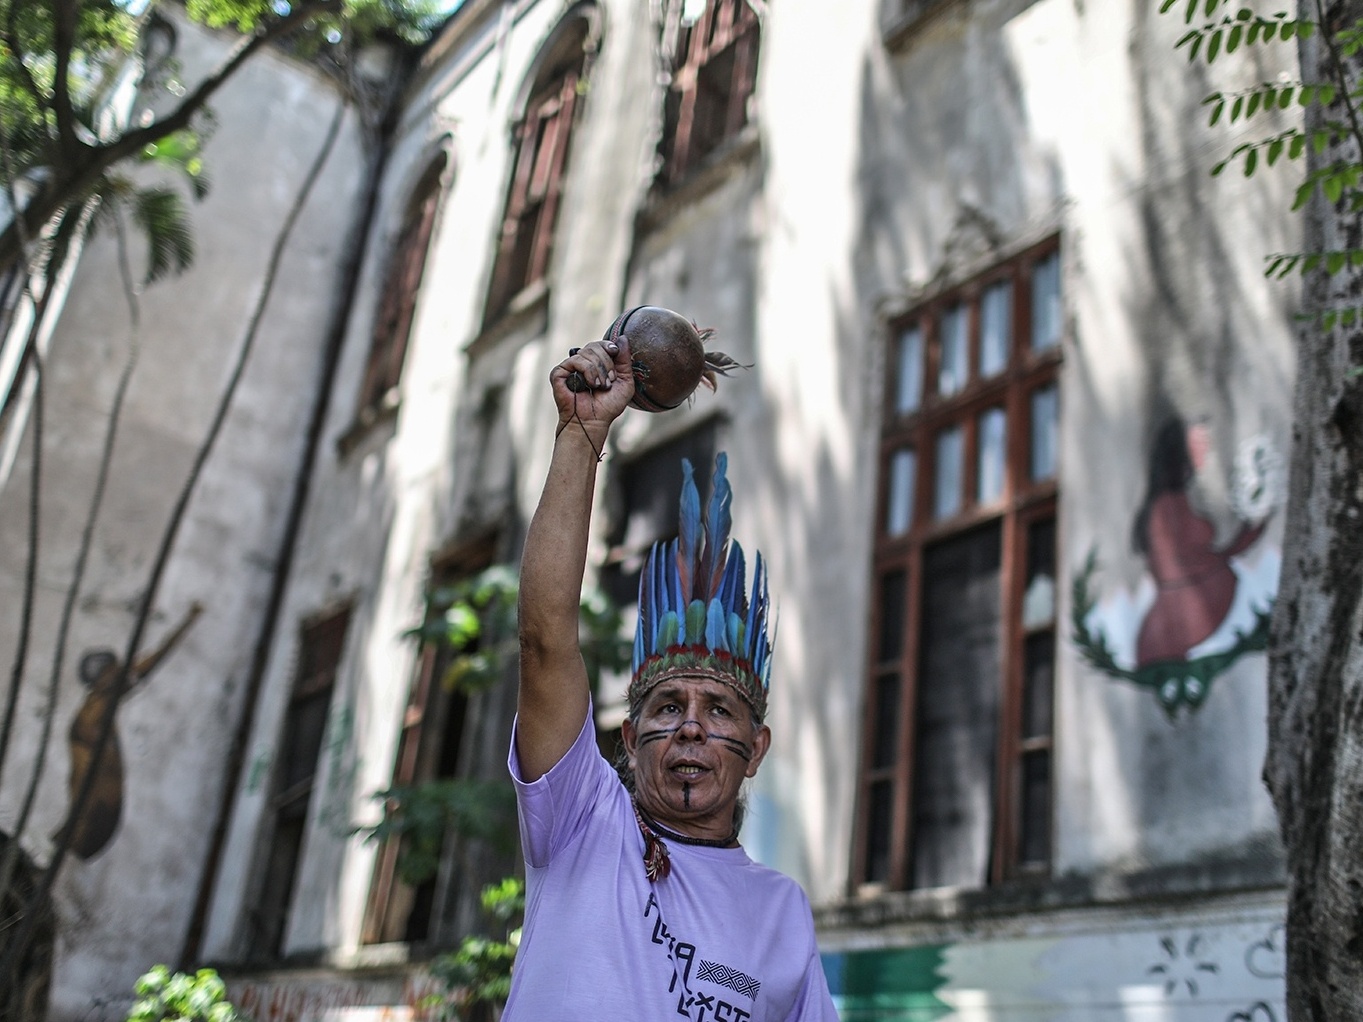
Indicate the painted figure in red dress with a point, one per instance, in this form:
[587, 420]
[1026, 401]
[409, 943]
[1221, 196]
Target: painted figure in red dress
[1194, 581]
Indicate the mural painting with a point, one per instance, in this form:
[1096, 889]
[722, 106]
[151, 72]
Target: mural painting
[1207, 595]
[1228, 970]
[91, 829]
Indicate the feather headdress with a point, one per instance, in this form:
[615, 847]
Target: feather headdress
[696, 616]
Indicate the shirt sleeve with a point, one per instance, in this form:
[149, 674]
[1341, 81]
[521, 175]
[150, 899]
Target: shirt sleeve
[554, 808]
[813, 1003]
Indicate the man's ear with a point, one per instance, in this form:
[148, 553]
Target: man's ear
[761, 742]
[631, 739]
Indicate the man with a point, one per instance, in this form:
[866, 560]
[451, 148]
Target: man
[642, 905]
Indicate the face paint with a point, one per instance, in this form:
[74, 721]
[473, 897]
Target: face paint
[686, 795]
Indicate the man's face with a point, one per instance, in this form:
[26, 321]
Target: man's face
[693, 745]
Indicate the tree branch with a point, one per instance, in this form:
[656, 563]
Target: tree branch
[89, 163]
[64, 17]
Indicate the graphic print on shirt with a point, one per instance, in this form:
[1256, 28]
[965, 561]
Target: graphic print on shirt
[696, 1003]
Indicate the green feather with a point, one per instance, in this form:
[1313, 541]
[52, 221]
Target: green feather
[695, 622]
[668, 631]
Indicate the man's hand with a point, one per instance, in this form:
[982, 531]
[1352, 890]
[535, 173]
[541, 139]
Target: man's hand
[605, 369]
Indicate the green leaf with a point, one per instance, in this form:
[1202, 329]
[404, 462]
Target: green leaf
[1296, 146]
[1214, 47]
[1275, 149]
[1235, 109]
[1334, 262]
[1253, 104]
[1334, 187]
[1233, 38]
[1251, 162]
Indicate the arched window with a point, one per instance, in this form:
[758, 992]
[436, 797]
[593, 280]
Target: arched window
[397, 304]
[714, 66]
[541, 138]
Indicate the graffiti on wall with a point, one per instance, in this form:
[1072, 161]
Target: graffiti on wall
[91, 826]
[1212, 972]
[413, 998]
[1207, 592]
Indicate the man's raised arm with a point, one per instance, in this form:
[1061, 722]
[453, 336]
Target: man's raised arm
[554, 694]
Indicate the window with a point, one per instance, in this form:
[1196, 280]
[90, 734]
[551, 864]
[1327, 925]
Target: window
[430, 745]
[956, 763]
[541, 139]
[713, 70]
[397, 302]
[645, 497]
[305, 722]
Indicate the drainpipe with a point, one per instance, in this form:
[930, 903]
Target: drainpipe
[356, 249]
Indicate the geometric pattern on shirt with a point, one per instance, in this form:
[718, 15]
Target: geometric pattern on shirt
[739, 982]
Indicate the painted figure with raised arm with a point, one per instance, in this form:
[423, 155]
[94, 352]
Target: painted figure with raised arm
[641, 903]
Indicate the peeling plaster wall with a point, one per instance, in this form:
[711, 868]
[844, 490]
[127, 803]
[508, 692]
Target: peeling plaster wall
[128, 906]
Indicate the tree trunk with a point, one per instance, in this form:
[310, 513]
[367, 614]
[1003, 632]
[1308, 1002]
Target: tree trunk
[1314, 768]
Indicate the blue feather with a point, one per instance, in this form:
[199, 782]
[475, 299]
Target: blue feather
[716, 629]
[718, 520]
[736, 636]
[676, 598]
[731, 588]
[757, 604]
[689, 533]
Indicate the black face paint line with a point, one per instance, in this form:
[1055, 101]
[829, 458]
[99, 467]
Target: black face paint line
[661, 734]
[686, 794]
[733, 745]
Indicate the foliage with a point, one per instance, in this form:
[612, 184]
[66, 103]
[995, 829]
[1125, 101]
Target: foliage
[472, 623]
[478, 972]
[1224, 28]
[475, 619]
[419, 815]
[64, 124]
[163, 996]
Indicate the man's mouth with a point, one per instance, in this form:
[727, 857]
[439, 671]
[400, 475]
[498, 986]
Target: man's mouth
[688, 770]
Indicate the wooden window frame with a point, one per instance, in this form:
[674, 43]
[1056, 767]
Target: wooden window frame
[1022, 503]
[724, 27]
[402, 283]
[321, 645]
[419, 748]
[542, 139]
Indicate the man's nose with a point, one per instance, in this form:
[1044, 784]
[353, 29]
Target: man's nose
[691, 731]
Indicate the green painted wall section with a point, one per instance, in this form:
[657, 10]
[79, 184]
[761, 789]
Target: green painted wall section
[894, 985]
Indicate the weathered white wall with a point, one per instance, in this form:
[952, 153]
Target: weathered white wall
[1041, 117]
[128, 906]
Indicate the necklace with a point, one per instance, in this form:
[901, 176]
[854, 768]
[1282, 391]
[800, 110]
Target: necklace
[657, 863]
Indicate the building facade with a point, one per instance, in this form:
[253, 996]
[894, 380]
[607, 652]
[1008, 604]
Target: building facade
[1011, 437]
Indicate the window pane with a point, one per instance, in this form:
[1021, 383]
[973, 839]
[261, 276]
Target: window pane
[903, 475]
[996, 327]
[990, 460]
[893, 588]
[885, 727]
[1046, 303]
[1035, 844]
[1038, 669]
[1045, 423]
[909, 390]
[951, 374]
[946, 499]
[1038, 600]
[957, 712]
[878, 831]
